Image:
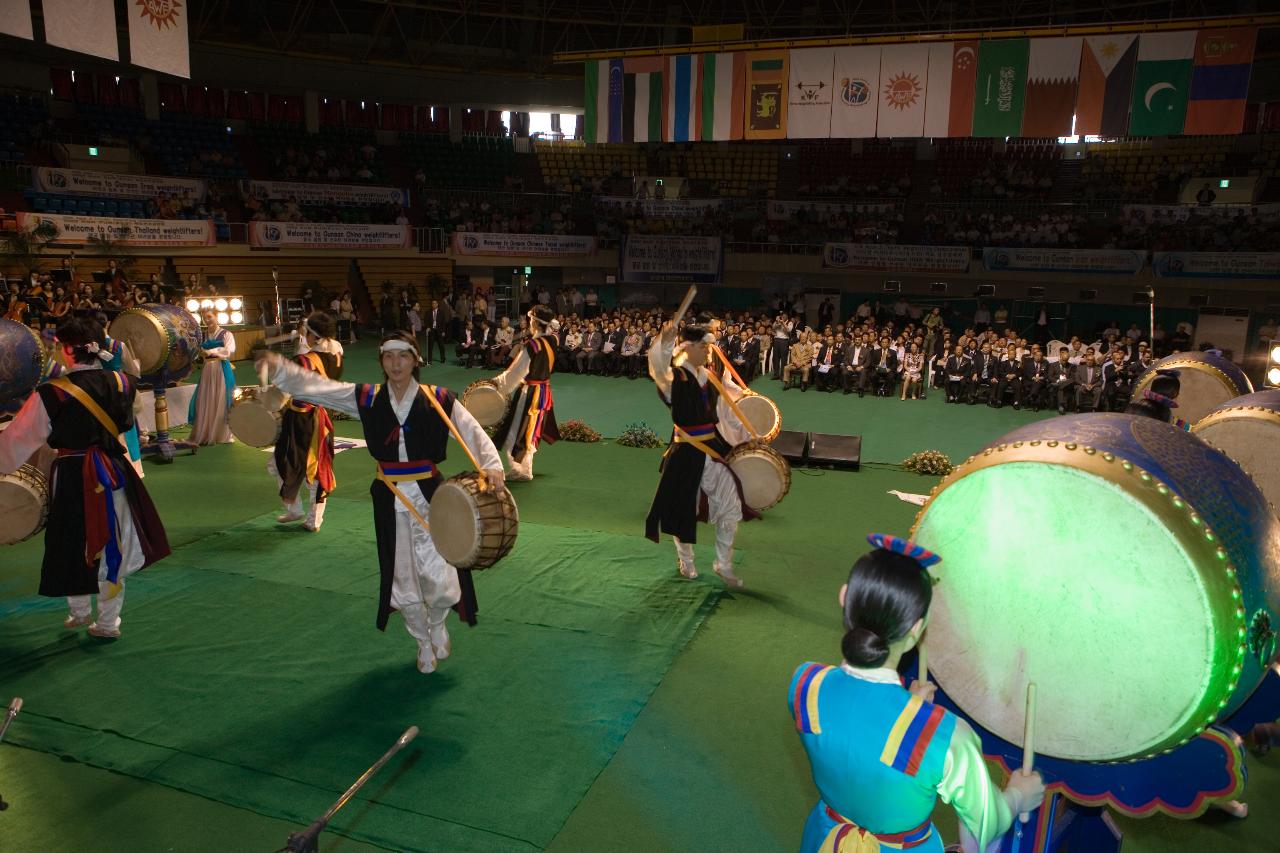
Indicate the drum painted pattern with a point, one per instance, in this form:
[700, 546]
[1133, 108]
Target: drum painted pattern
[764, 473]
[22, 359]
[764, 415]
[164, 338]
[1127, 567]
[1247, 429]
[1207, 381]
[24, 504]
[470, 528]
[485, 402]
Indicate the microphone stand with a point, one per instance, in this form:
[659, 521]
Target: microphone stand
[14, 707]
[308, 840]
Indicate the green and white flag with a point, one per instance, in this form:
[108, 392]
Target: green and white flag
[1161, 83]
[1001, 87]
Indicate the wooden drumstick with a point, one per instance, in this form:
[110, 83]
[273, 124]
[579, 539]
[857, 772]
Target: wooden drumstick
[1028, 740]
[427, 390]
[684, 306]
[924, 663]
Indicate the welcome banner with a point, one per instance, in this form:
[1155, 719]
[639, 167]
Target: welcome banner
[539, 245]
[342, 194]
[1114, 261]
[1216, 264]
[891, 258]
[646, 259]
[661, 208]
[78, 230]
[114, 185]
[329, 235]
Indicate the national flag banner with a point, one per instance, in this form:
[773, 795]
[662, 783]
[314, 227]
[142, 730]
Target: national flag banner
[1001, 87]
[809, 93]
[642, 97]
[953, 74]
[1161, 83]
[724, 94]
[766, 97]
[857, 92]
[158, 36]
[1106, 84]
[904, 78]
[605, 89]
[682, 100]
[1053, 73]
[85, 26]
[15, 18]
[1220, 80]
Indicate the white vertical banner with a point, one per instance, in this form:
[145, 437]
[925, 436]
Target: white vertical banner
[15, 18]
[809, 93]
[857, 92]
[85, 26]
[158, 36]
[904, 73]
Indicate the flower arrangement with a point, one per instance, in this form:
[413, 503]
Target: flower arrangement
[639, 435]
[930, 462]
[576, 430]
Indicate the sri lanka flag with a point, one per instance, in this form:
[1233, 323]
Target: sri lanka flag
[1220, 80]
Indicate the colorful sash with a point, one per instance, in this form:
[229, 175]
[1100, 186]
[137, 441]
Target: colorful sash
[539, 404]
[319, 451]
[228, 379]
[101, 478]
[390, 473]
[698, 436]
[847, 837]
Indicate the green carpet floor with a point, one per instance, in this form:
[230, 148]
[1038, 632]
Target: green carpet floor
[708, 761]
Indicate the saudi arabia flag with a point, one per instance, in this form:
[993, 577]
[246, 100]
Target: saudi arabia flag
[1161, 83]
[1001, 87]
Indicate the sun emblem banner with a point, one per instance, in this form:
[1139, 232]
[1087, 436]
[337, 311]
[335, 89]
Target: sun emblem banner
[158, 36]
[904, 75]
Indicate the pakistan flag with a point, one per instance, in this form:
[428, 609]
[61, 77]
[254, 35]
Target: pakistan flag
[1161, 84]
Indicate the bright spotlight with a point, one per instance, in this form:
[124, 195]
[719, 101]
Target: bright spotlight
[1275, 354]
[206, 303]
[193, 305]
[223, 318]
[236, 303]
[1273, 376]
[236, 318]
[220, 304]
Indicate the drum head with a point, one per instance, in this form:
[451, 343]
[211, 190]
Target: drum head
[1252, 443]
[1113, 622]
[145, 336]
[254, 424]
[455, 528]
[762, 413]
[485, 404]
[763, 481]
[23, 505]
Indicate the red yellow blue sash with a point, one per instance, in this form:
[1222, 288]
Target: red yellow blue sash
[847, 837]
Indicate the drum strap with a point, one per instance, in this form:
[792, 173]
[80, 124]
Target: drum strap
[699, 436]
[390, 473]
[711, 377]
[847, 837]
[65, 384]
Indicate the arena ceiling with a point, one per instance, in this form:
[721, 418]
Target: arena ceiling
[521, 36]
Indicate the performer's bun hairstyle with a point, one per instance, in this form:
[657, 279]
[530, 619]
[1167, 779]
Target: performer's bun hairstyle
[888, 593]
[1166, 383]
[542, 314]
[85, 337]
[321, 324]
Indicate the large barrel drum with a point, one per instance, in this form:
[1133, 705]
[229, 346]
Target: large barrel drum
[1207, 381]
[22, 360]
[1248, 430]
[164, 338]
[1125, 566]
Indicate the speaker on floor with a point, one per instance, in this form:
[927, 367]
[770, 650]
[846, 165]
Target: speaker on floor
[836, 451]
[792, 445]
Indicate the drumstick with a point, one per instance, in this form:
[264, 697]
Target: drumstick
[733, 405]
[924, 664]
[1028, 739]
[684, 306]
[453, 429]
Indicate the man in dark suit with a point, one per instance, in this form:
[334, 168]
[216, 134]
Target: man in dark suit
[882, 369]
[827, 370]
[1062, 379]
[957, 372]
[744, 352]
[1010, 372]
[1117, 382]
[466, 344]
[481, 340]
[856, 356]
[1088, 382]
[983, 375]
[438, 320]
[611, 350]
[1035, 376]
[589, 355]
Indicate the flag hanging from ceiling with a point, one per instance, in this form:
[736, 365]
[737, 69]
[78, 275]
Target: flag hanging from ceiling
[85, 26]
[904, 74]
[1220, 80]
[1001, 87]
[766, 98]
[681, 115]
[809, 93]
[1106, 84]
[724, 87]
[15, 18]
[1053, 72]
[605, 90]
[642, 96]
[1161, 83]
[857, 92]
[953, 73]
[158, 36]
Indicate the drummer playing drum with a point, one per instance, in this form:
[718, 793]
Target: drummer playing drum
[694, 474]
[531, 420]
[408, 439]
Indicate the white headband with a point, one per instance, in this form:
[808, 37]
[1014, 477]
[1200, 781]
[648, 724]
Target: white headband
[397, 345]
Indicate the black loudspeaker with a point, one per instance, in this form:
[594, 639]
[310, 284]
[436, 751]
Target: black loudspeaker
[792, 445]
[836, 451]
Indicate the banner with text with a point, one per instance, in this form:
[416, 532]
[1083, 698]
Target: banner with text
[76, 230]
[1114, 261]
[783, 210]
[540, 245]
[1216, 264]
[114, 185]
[892, 258]
[329, 235]
[661, 208]
[648, 259]
[342, 194]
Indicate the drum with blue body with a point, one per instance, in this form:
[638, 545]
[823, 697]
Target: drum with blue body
[1128, 568]
[22, 361]
[164, 339]
[1248, 430]
[1207, 381]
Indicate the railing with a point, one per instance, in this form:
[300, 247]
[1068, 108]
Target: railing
[431, 241]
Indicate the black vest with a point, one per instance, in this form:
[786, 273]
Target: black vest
[72, 427]
[426, 436]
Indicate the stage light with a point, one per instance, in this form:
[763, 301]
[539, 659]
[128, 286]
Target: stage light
[1273, 376]
[1275, 354]
[193, 305]
[223, 318]
[220, 304]
[236, 303]
[206, 303]
[236, 318]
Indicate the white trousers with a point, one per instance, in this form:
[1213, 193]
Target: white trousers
[315, 515]
[109, 606]
[724, 510]
[131, 560]
[424, 586]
